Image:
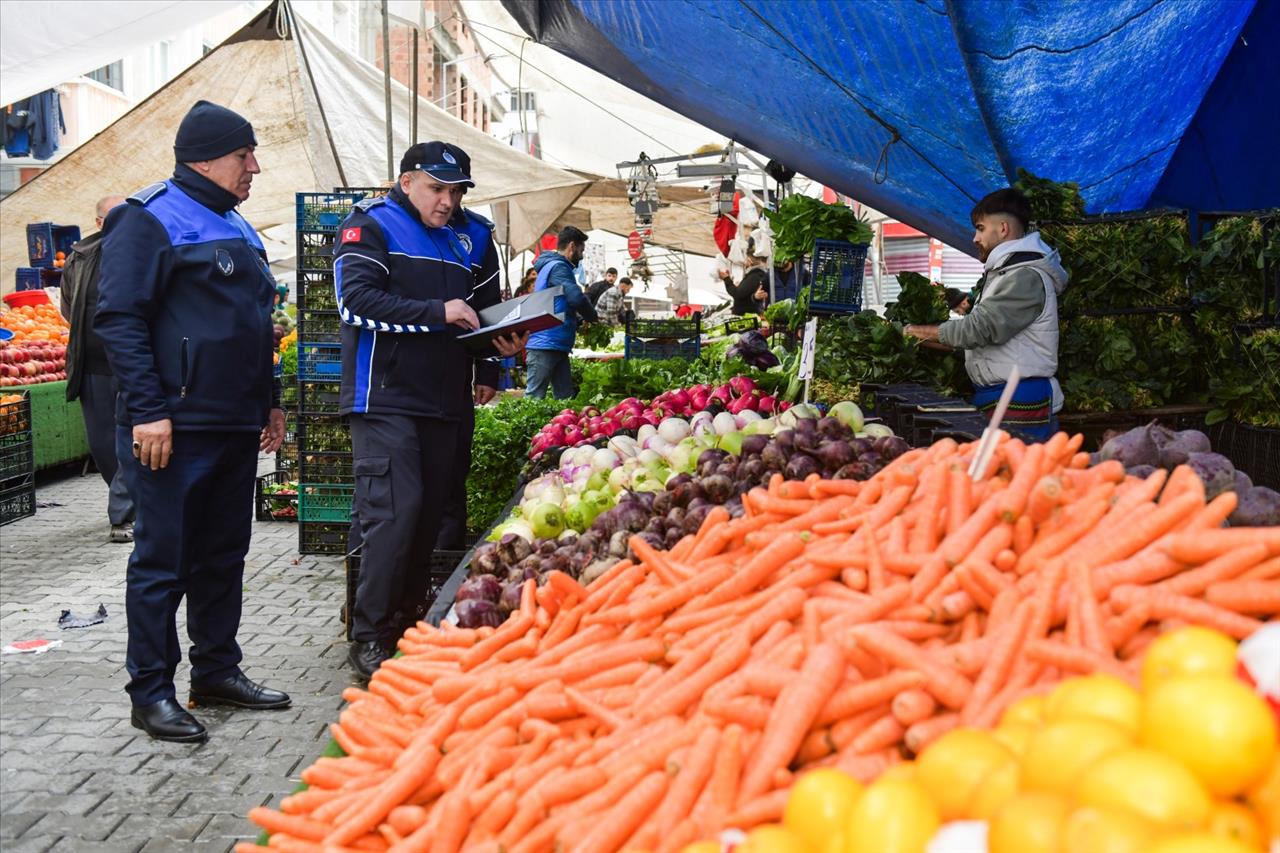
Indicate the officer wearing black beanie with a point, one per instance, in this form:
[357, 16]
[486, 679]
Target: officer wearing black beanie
[184, 311]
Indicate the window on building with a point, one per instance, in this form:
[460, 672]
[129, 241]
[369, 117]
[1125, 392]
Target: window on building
[462, 96]
[523, 100]
[160, 63]
[205, 48]
[110, 75]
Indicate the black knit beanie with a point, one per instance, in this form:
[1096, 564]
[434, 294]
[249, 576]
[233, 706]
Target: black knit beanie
[209, 131]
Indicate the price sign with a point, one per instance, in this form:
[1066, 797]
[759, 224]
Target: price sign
[635, 245]
[807, 348]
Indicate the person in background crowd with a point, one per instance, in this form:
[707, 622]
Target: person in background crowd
[476, 234]
[406, 287]
[89, 373]
[526, 283]
[957, 301]
[1014, 319]
[600, 288]
[752, 293]
[785, 281]
[547, 356]
[184, 311]
[612, 306]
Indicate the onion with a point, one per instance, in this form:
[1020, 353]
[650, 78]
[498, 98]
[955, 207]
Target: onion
[673, 430]
[605, 459]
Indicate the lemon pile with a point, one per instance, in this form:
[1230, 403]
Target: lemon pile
[1187, 765]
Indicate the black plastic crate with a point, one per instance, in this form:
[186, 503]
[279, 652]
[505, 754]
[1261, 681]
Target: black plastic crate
[275, 506]
[15, 415]
[662, 348]
[738, 325]
[664, 329]
[16, 457]
[319, 362]
[289, 392]
[443, 565]
[323, 434]
[319, 326]
[323, 537]
[324, 467]
[330, 502]
[324, 211]
[836, 274]
[315, 250]
[18, 500]
[319, 398]
[314, 291]
[1254, 450]
[45, 240]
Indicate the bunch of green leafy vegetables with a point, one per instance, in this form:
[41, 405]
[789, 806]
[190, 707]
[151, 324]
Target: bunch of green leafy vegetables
[1248, 390]
[800, 220]
[867, 348]
[1050, 201]
[920, 301]
[595, 336]
[498, 451]
[289, 361]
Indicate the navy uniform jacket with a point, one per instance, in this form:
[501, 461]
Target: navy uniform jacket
[476, 234]
[184, 309]
[393, 276]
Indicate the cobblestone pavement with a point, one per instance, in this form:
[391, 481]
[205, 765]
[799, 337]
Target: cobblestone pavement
[74, 774]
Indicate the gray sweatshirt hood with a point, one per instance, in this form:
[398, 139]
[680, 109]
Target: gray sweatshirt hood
[1050, 262]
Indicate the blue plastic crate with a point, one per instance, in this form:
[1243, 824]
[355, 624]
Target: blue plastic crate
[319, 362]
[45, 240]
[662, 348]
[836, 276]
[27, 278]
[324, 211]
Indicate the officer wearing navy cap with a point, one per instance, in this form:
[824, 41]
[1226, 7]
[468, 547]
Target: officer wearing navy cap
[406, 289]
[184, 310]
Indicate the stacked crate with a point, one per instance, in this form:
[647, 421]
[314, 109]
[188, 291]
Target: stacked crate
[17, 462]
[665, 338]
[321, 436]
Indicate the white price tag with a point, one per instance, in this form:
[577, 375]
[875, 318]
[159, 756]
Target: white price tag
[807, 348]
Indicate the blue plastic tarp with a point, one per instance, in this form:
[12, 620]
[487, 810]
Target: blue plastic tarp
[920, 107]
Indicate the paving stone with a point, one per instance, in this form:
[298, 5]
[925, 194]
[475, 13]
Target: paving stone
[66, 742]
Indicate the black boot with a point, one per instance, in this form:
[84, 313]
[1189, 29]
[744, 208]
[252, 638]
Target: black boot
[366, 657]
[239, 691]
[166, 720]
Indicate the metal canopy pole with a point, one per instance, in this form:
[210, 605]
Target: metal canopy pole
[414, 106]
[386, 82]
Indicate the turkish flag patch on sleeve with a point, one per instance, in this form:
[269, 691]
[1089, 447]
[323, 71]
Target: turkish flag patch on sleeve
[351, 235]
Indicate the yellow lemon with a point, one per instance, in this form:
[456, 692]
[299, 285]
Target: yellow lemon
[902, 770]
[1198, 842]
[1216, 726]
[1149, 784]
[1099, 829]
[1014, 735]
[701, 847]
[892, 816]
[999, 786]
[1060, 752]
[1237, 822]
[773, 838]
[1031, 822]
[955, 764]
[1028, 709]
[1097, 696]
[836, 843]
[1265, 799]
[1188, 651]
[819, 803]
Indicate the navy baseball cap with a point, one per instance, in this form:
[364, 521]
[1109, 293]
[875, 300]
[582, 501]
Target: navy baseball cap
[444, 162]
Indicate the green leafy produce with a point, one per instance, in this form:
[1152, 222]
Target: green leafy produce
[595, 336]
[921, 301]
[1050, 201]
[1249, 389]
[289, 361]
[502, 435]
[867, 348]
[800, 220]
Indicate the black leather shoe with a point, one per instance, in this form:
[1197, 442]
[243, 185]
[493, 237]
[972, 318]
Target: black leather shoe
[239, 691]
[366, 657]
[166, 720]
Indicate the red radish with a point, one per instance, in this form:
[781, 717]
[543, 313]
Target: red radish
[742, 385]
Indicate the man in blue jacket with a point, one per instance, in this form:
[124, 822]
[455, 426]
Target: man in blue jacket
[184, 311]
[406, 289]
[548, 355]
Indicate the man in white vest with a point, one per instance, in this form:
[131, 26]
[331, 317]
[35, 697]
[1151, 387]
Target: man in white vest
[1014, 318]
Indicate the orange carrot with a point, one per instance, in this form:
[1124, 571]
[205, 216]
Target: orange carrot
[1224, 567]
[912, 706]
[1260, 597]
[1166, 605]
[948, 687]
[925, 732]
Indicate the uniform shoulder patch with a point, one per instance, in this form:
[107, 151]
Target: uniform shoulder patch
[369, 203]
[350, 235]
[146, 194]
[475, 217]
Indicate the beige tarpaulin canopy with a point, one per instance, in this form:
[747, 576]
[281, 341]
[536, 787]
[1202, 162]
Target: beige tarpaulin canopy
[683, 221]
[262, 76]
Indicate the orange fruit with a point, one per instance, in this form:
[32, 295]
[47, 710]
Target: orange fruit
[818, 804]
[1097, 696]
[1188, 651]
[1060, 752]
[1237, 822]
[1100, 829]
[1148, 783]
[1031, 822]
[954, 765]
[1215, 725]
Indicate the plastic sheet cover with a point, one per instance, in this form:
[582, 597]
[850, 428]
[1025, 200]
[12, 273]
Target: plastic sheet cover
[920, 107]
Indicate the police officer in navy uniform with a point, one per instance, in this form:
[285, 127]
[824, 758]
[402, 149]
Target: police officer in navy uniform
[406, 289]
[184, 309]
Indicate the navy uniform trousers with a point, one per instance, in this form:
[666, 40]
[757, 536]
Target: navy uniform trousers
[404, 469]
[190, 537]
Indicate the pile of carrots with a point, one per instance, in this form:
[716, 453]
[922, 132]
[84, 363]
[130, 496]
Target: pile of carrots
[835, 623]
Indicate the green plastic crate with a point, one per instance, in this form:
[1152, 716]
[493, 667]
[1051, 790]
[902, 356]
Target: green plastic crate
[325, 501]
[57, 426]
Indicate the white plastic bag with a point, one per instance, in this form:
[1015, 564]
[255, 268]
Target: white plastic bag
[748, 213]
[763, 240]
[738, 250]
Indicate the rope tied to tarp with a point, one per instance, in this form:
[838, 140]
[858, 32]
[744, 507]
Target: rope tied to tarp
[881, 173]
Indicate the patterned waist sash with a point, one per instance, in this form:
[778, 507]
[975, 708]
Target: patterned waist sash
[1030, 410]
